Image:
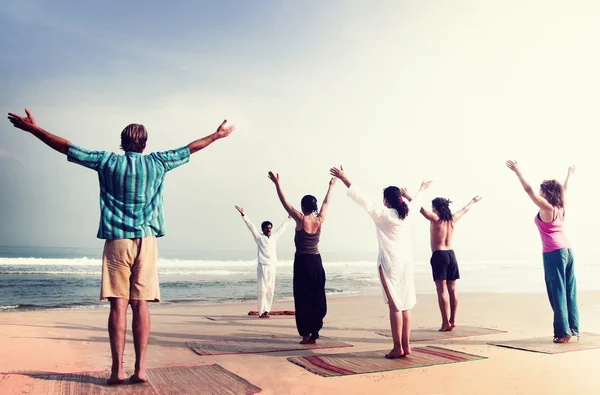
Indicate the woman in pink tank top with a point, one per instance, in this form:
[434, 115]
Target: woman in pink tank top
[559, 269]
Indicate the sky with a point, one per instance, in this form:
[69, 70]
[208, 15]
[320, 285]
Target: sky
[396, 91]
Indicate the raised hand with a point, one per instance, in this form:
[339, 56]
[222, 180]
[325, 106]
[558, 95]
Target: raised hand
[24, 123]
[224, 130]
[476, 199]
[403, 192]
[274, 177]
[338, 173]
[513, 165]
[332, 181]
[240, 209]
[425, 185]
[571, 169]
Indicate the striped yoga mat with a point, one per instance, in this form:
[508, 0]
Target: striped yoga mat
[587, 341]
[420, 335]
[374, 361]
[205, 380]
[245, 317]
[271, 343]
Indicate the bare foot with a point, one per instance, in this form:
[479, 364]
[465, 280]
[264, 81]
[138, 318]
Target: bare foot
[267, 314]
[406, 350]
[115, 380]
[562, 339]
[305, 340]
[445, 328]
[452, 326]
[395, 353]
[137, 378]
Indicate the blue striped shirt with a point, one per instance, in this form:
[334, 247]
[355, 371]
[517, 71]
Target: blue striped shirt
[131, 201]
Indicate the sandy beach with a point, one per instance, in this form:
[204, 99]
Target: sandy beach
[76, 340]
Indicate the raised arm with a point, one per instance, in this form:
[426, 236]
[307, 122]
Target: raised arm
[533, 195]
[375, 211]
[404, 192]
[223, 130]
[429, 215]
[295, 214]
[28, 124]
[325, 205]
[458, 215]
[569, 172]
[282, 228]
[248, 223]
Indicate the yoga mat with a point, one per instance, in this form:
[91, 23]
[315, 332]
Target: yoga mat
[374, 361]
[587, 341]
[244, 317]
[420, 335]
[272, 343]
[206, 380]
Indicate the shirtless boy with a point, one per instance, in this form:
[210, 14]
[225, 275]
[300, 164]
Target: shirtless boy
[443, 261]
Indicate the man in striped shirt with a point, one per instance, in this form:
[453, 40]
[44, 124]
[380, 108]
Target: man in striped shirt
[131, 218]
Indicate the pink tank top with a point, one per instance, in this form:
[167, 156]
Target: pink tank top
[553, 234]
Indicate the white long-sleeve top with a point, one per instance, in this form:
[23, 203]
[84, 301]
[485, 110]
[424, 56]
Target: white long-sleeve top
[395, 252]
[267, 246]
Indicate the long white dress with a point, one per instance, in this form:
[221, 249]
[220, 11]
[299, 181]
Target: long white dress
[395, 253]
[267, 263]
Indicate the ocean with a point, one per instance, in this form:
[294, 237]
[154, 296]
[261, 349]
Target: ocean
[34, 278]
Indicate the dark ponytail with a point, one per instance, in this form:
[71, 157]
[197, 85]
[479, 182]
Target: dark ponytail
[396, 201]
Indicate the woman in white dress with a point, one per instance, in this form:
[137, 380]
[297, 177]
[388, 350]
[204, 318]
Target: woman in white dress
[394, 263]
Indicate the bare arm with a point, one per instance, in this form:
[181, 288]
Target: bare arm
[458, 215]
[222, 131]
[339, 173]
[429, 215]
[327, 199]
[533, 195]
[28, 124]
[295, 214]
[569, 172]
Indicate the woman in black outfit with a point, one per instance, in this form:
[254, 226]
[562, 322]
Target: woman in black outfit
[309, 276]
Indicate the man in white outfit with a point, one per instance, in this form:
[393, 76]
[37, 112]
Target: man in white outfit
[267, 260]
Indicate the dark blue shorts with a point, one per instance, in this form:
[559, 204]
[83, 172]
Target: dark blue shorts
[444, 265]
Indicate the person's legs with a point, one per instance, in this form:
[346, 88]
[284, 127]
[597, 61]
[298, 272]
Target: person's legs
[117, 326]
[439, 265]
[318, 297]
[451, 285]
[571, 292]
[554, 274]
[141, 331]
[396, 322]
[443, 302]
[301, 297]
[405, 340]
[144, 289]
[270, 290]
[116, 260]
[260, 279]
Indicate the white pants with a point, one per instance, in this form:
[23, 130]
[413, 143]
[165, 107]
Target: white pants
[266, 287]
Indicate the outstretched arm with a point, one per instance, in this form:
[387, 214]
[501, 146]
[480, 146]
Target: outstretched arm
[248, 223]
[458, 215]
[222, 131]
[28, 124]
[295, 214]
[339, 173]
[569, 172]
[429, 215]
[533, 195]
[282, 227]
[325, 205]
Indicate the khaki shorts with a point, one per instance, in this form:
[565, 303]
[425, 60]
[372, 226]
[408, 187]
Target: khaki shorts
[129, 269]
